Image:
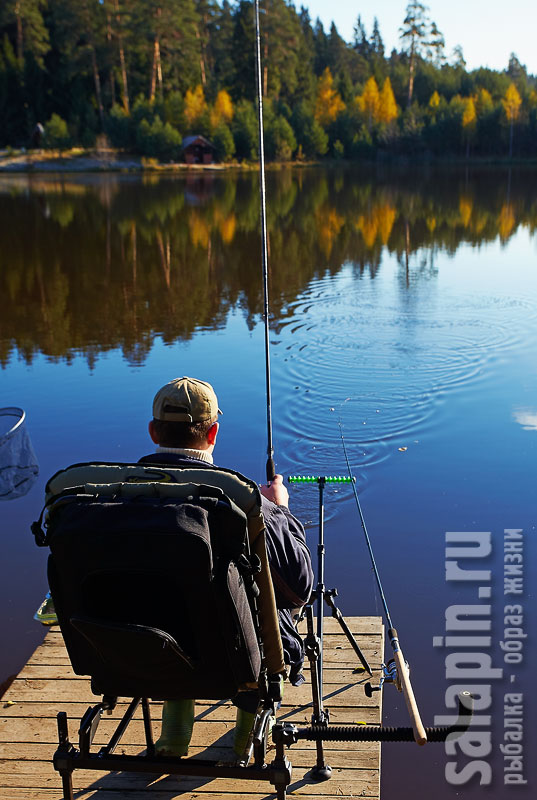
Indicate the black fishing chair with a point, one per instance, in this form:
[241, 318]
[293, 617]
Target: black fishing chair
[162, 589]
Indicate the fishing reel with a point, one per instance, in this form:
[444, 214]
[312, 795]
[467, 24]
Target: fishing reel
[390, 674]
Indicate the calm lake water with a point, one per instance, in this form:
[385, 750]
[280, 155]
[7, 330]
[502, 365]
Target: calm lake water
[404, 304]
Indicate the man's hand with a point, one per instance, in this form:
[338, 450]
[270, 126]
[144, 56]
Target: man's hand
[276, 491]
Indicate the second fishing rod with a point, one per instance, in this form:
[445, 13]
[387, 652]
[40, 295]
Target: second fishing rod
[399, 674]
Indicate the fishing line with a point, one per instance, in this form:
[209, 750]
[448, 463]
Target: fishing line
[402, 676]
[270, 467]
[364, 528]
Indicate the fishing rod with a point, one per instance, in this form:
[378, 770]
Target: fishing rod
[401, 678]
[270, 467]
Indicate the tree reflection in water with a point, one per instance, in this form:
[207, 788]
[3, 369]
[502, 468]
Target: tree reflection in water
[93, 263]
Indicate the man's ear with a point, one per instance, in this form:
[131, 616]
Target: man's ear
[212, 433]
[152, 432]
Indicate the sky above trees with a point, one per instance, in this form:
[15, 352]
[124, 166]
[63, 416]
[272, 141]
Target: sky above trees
[488, 30]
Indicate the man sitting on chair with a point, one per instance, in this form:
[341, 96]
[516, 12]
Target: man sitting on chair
[184, 428]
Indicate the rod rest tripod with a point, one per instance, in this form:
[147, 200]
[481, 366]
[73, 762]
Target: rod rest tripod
[320, 731]
[320, 592]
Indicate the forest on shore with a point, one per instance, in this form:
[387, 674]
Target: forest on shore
[143, 74]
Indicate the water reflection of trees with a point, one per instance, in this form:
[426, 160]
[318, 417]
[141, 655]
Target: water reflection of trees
[100, 263]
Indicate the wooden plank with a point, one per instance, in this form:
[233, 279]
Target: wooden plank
[46, 685]
[335, 671]
[44, 730]
[357, 625]
[309, 790]
[335, 694]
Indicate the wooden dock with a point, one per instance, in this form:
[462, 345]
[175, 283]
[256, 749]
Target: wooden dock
[46, 685]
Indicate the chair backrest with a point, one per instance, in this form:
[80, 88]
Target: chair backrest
[149, 570]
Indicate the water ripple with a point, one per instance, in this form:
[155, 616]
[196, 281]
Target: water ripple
[383, 363]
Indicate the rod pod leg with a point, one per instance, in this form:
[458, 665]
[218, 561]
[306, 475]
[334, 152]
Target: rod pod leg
[336, 613]
[321, 771]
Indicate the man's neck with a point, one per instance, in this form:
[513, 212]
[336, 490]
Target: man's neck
[202, 455]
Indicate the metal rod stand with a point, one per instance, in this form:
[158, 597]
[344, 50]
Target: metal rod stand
[321, 594]
[314, 641]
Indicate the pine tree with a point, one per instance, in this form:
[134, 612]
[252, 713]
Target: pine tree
[31, 35]
[220, 47]
[173, 32]
[243, 53]
[436, 45]
[516, 70]
[80, 38]
[280, 35]
[414, 34]
[207, 12]
[320, 42]
[361, 42]
[377, 45]
[306, 83]
[457, 57]
[120, 26]
[336, 51]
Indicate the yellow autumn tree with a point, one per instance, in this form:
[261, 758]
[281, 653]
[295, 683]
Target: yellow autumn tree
[369, 101]
[483, 103]
[434, 100]
[195, 105]
[511, 103]
[222, 110]
[469, 122]
[329, 103]
[387, 109]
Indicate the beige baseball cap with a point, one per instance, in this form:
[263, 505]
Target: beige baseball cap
[185, 400]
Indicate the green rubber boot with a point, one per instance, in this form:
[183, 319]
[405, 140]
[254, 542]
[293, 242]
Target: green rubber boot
[176, 731]
[243, 726]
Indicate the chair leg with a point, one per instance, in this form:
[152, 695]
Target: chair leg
[62, 754]
[150, 746]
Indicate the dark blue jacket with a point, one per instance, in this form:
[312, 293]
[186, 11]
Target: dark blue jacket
[289, 559]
